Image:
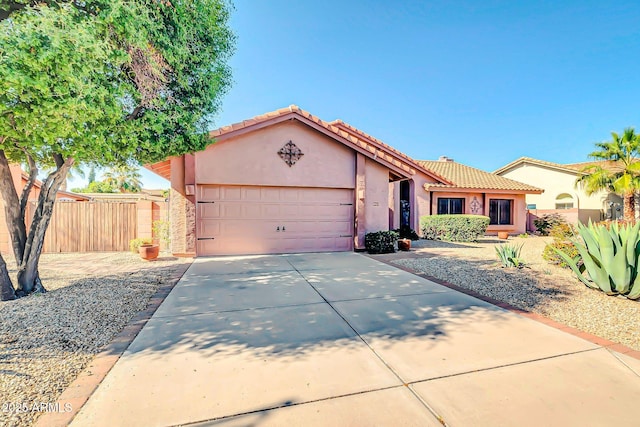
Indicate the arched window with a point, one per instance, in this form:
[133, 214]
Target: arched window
[564, 201]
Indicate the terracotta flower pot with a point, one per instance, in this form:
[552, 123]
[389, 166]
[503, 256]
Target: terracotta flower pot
[404, 244]
[149, 252]
[504, 235]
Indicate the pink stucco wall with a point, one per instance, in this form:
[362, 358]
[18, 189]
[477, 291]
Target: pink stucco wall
[420, 200]
[376, 199]
[252, 159]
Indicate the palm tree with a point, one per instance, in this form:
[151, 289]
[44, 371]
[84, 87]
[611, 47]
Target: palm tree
[620, 173]
[125, 178]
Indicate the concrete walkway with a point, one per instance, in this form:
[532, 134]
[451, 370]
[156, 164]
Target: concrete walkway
[341, 339]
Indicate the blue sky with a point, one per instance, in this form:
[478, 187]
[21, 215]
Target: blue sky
[481, 82]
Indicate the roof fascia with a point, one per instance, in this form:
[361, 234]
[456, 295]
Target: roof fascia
[359, 134]
[436, 189]
[294, 115]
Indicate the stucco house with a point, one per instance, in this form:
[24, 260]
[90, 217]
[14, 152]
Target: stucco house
[561, 195]
[287, 181]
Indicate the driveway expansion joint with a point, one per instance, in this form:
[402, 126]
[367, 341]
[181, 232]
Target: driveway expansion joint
[384, 362]
[288, 405]
[507, 365]
[236, 310]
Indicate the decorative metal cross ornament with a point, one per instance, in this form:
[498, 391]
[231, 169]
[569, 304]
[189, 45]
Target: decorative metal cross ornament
[476, 207]
[290, 153]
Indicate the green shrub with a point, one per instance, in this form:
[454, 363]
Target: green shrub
[381, 242]
[545, 222]
[509, 255]
[161, 231]
[455, 228]
[136, 243]
[550, 252]
[562, 234]
[610, 257]
[407, 233]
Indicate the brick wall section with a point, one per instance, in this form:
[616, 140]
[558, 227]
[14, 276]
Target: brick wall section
[190, 223]
[178, 219]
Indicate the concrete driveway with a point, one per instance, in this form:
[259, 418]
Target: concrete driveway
[341, 339]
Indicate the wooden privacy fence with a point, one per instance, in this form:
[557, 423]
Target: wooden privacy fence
[90, 226]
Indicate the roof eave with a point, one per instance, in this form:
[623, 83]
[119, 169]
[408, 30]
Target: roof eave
[458, 189]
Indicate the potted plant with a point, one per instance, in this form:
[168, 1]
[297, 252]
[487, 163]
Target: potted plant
[149, 251]
[503, 235]
[404, 244]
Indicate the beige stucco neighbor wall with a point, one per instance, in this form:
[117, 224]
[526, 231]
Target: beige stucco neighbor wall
[252, 159]
[554, 183]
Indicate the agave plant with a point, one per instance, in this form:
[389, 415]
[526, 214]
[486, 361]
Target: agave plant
[510, 255]
[610, 258]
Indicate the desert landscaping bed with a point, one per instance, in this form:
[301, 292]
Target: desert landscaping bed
[47, 339]
[541, 288]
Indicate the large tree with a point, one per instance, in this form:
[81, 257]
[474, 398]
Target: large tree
[620, 173]
[106, 83]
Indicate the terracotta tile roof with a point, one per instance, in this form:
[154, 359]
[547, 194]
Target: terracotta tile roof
[358, 133]
[532, 161]
[570, 167]
[463, 176]
[605, 164]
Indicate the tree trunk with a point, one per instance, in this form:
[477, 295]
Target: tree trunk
[28, 247]
[13, 211]
[6, 288]
[28, 275]
[629, 209]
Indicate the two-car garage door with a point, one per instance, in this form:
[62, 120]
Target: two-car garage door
[260, 220]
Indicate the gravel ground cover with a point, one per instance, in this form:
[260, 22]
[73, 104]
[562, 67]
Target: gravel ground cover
[47, 339]
[540, 287]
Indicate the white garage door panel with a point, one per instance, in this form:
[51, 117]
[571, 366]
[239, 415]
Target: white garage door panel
[252, 219]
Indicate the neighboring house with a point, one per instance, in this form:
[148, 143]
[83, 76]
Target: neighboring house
[561, 195]
[287, 181]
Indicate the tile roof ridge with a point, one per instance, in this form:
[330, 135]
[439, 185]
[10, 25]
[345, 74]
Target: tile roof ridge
[387, 146]
[481, 171]
[525, 159]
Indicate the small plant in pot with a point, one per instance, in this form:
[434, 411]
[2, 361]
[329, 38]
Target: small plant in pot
[404, 244]
[149, 252]
[145, 248]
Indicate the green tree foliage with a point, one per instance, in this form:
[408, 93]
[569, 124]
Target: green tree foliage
[102, 83]
[622, 176]
[124, 178]
[96, 187]
[92, 174]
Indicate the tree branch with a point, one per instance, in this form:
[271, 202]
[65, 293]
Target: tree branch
[33, 174]
[15, 222]
[136, 113]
